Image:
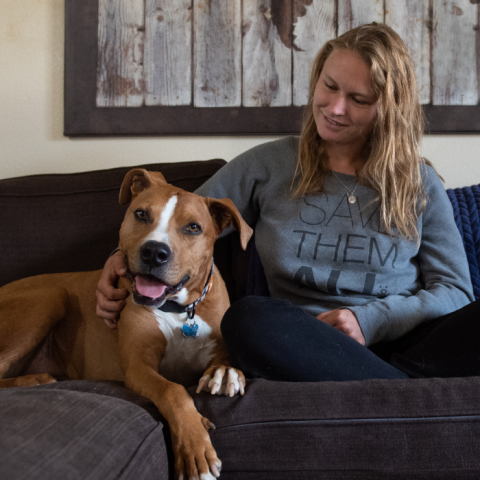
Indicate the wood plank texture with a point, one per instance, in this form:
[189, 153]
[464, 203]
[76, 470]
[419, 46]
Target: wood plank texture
[120, 60]
[454, 55]
[258, 53]
[217, 53]
[353, 13]
[168, 52]
[82, 117]
[267, 61]
[410, 19]
[315, 24]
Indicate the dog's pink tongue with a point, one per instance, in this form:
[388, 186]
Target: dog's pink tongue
[149, 286]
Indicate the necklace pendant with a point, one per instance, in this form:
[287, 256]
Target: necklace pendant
[352, 199]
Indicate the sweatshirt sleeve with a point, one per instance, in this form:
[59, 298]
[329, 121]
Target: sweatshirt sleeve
[443, 271]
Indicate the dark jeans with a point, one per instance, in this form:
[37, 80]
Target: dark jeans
[273, 339]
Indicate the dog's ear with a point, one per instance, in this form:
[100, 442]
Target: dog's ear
[136, 181]
[224, 213]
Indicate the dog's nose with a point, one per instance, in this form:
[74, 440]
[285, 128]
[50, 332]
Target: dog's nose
[155, 253]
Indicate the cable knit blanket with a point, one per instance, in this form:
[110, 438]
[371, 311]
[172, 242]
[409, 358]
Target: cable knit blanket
[466, 204]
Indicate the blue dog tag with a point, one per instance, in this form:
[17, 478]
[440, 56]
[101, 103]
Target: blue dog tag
[190, 330]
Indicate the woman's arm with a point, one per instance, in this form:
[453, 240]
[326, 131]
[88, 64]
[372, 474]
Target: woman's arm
[443, 270]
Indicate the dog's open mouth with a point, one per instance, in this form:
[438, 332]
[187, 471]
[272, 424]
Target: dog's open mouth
[149, 290]
[149, 286]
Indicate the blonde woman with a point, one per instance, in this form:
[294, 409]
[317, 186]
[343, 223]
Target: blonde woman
[354, 230]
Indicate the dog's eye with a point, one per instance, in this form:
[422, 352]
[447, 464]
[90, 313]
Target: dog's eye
[141, 214]
[194, 228]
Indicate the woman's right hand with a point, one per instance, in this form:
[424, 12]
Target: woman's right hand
[110, 299]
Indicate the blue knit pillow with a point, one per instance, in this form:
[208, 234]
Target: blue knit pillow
[466, 203]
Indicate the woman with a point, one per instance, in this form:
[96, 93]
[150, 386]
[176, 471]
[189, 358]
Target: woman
[355, 233]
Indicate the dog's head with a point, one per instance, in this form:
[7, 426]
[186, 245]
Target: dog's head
[167, 237]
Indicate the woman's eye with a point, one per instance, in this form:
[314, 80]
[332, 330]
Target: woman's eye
[193, 228]
[141, 214]
[330, 87]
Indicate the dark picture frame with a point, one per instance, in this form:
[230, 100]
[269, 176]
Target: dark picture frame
[83, 118]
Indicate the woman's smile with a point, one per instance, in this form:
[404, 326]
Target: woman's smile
[334, 123]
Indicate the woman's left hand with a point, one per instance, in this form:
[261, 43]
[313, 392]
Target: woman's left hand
[344, 320]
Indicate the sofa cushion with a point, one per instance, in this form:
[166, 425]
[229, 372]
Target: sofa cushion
[70, 222]
[375, 429]
[55, 433]
[107, 388]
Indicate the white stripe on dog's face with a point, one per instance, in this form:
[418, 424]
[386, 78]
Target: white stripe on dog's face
[160, 233]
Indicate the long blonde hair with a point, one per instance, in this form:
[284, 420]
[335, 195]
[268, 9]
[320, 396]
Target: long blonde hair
[393, 161]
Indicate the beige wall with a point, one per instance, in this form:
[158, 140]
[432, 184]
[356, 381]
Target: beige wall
[31, 113]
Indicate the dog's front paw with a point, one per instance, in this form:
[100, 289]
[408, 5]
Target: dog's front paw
[222, 380]
[195, 457]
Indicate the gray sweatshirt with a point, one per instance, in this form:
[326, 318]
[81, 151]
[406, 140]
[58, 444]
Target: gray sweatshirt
[322, 252]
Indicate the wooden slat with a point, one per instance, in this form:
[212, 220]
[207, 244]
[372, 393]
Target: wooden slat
[267, 61]
[315, 24]
[168, 52]
[217, 53]
[120, 53]
[454, 79]
[410, 19]
[353, 13]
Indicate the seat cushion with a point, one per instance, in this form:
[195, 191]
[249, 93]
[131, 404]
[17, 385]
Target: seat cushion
[56, 433]
[375, 429]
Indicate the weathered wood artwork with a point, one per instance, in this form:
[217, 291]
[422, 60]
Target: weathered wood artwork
[242, 66]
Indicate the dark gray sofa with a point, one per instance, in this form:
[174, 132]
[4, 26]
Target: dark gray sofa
[394, 429]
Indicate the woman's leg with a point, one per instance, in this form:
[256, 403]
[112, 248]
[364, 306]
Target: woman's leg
[273, 339]
[446, 347]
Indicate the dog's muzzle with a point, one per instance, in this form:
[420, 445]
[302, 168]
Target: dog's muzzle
[148, 279]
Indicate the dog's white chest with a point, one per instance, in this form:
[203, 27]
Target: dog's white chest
[186, 358]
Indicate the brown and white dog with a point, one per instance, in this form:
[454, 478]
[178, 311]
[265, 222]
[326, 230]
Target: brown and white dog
[169, 331]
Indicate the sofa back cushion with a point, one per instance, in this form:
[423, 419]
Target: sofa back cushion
[70, 222]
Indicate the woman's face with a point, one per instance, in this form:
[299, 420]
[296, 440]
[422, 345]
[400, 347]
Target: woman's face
[344, 104]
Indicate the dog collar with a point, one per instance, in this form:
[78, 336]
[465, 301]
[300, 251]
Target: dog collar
[189, 330]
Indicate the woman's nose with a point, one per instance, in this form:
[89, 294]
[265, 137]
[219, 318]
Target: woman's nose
[339, 105]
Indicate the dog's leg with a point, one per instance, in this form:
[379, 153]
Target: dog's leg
[142, 348]
[27, 314]
[193, 450]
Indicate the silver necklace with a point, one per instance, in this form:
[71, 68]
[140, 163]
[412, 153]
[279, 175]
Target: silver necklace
[351, 197]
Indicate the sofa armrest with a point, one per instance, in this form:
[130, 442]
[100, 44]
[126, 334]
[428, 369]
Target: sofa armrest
[64, 432]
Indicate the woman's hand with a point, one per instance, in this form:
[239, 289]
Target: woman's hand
[344, 320]
[110, 299]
